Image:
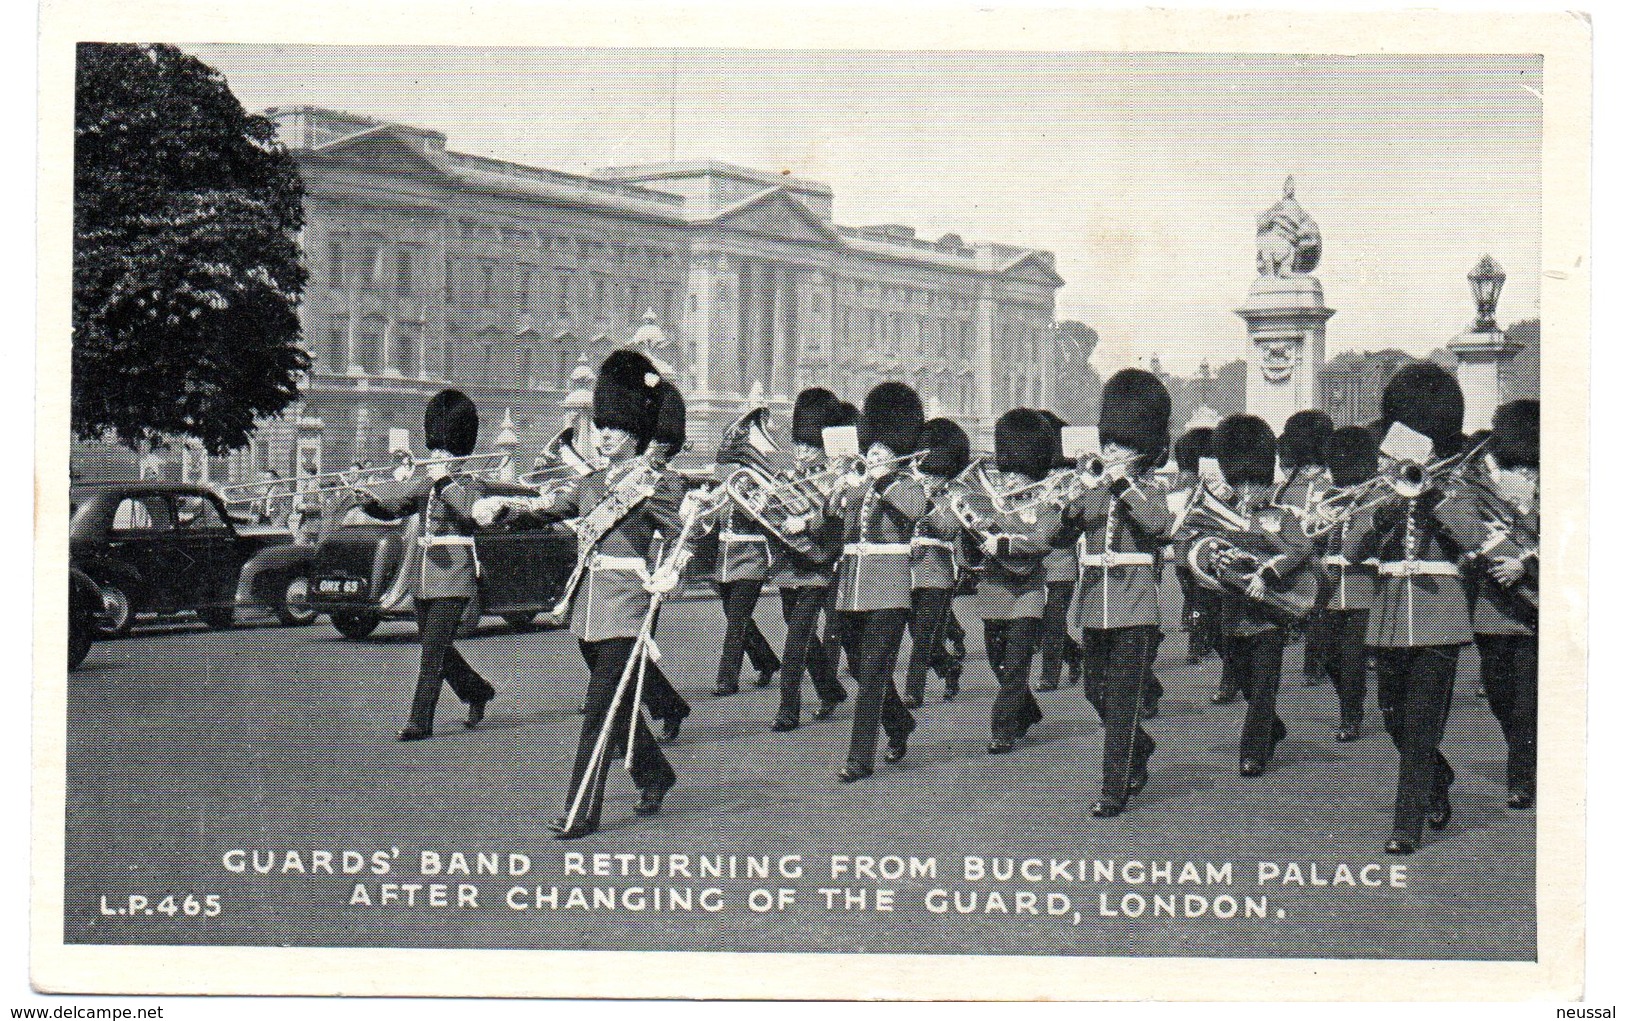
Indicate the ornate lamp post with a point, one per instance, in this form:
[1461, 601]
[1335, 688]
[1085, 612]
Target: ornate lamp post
[1483, 353]
[1487, 279]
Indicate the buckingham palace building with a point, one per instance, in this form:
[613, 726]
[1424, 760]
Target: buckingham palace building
[429, 267]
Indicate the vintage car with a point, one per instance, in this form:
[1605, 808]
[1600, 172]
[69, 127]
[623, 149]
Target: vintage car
[358, 573]
[158, 549]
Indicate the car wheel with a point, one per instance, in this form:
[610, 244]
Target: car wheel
[355, 623]
[520, 622]
[117, 612]
[218, 618]
[293, 607]
[80, 638]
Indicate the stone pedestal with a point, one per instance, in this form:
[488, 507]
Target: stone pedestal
[1286, 331]
[1482, 358]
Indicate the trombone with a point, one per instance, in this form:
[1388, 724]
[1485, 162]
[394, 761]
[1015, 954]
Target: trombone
[1403, 480]
[1088, 474]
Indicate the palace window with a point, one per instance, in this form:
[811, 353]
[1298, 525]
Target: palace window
[335, 262]
[337, 349]
[403, 271]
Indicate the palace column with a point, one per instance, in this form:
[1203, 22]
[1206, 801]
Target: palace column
[784, 369]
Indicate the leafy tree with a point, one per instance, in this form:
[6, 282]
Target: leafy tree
[186, 271]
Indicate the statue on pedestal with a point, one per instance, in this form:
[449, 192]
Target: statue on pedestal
[1288, 237]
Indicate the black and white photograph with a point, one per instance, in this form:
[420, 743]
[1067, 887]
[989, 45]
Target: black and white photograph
[890, 500]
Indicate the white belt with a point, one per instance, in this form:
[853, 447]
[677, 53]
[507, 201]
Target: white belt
[601, 562]
[1338, 560]
[864, 549]
[1414, 568]
[1110, 559]
[742, 537]
[921, 540]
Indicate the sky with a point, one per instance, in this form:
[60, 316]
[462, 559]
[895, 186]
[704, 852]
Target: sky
[1143, 173]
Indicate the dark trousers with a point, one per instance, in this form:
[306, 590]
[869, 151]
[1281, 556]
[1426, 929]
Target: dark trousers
[1511, 683]
[663, 700]
[1255, 664]
[650, 770]
[1010, 648]
[834, 639]
[1199, 614]
[743, 638]
[1319, 645]
[441, 662]
[1116, 666]
[803, 652]
[877, 636]
[1056, 645]
[927, 626]
[1347, 666]
[1414, 689]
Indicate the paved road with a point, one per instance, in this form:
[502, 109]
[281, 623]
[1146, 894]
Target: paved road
[185, 745]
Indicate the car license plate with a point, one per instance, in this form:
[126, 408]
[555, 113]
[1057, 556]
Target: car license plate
[340, 586]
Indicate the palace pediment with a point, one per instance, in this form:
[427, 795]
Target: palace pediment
[384, 147]
[776, 214]
[1033, 268]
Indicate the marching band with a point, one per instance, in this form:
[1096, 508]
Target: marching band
[1397, 544]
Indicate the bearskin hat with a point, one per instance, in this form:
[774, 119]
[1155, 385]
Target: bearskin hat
[627, 395]
[892, 414]
[1024, 442]
[1244, 446]
[840, 413]
[1134, 409]
[948, 448]
[1192, 447]
[1057, 423]
[1426, 397]
[671, 421]
[1516, 443]
[1351, 454]
[1303, 439]
[808, 419]
[451, 423]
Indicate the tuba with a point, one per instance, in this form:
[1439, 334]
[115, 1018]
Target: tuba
[983, 509]
[1229, 547]
[770, 494]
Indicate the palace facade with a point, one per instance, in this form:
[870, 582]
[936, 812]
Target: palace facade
[430, 267]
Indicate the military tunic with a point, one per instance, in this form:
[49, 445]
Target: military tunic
[1119, 530]
[611, 602]
[1006, 591]
[743, 553]
[1420, 598]
[931, 548]
[443, 563]
[878, 520]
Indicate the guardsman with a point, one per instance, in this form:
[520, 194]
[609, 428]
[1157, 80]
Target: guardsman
[878, 512]
[1056, 647]
[443, 565]
[1254, 640]
[1115, 614]
[665, 703]
[933, 570]
[1505, 619]
[804, 582]
[1420, 619]
[1199, 611]
[743, 564]
[627, 512]
[1303, 459]
[1351, 457]
[835, 640]
[1010, 597]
